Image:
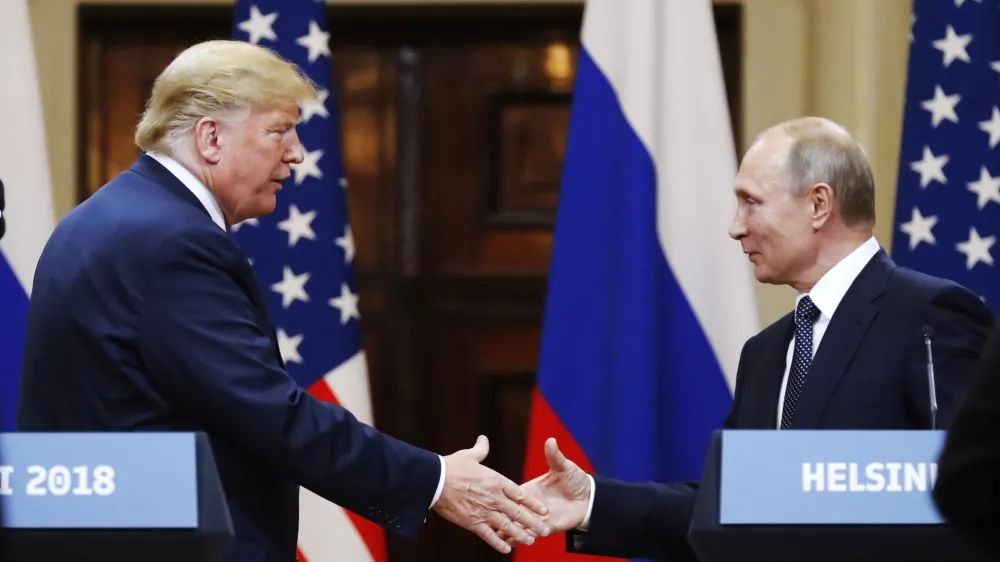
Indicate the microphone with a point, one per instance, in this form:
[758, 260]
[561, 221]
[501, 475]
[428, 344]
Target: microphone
[3, 226]
[928, 335]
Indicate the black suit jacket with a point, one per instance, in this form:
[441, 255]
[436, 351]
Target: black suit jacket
[967, 492]
[869, 372]
[145, 316]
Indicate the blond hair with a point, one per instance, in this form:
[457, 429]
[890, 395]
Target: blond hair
[823, 151]
[219, 79]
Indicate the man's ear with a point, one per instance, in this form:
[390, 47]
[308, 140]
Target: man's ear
[822, 201]
[207, 139]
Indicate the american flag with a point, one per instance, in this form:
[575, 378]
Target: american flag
[948, 199]
[303, 255]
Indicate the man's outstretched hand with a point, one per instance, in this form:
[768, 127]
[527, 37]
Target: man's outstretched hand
[483, 501]
[565, 489]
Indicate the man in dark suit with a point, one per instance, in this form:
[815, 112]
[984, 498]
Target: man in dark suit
[967, 491]
[146, 316]
[850, 356]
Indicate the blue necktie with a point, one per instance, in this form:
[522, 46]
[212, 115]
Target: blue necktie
[805, 314]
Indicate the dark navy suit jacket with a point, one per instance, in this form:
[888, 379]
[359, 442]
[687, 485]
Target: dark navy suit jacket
[869, 372]
[146, 316]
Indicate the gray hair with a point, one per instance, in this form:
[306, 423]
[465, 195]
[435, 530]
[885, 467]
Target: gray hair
[824, 152]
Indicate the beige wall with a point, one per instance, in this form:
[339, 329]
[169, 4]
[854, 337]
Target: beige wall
[842, 59]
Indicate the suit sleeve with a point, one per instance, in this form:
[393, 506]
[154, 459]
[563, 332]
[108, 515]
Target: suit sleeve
[967, 491]
[960, 322]
[207, 353]
[647, 519]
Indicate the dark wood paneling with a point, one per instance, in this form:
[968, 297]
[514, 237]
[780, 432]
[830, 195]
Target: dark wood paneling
[453, 123]
[527, 139]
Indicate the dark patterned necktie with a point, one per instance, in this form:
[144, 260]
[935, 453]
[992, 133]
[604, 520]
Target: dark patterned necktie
[805, 314]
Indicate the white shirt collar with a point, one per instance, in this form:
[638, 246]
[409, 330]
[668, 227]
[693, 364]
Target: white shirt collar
[193, 184]
[831, 288]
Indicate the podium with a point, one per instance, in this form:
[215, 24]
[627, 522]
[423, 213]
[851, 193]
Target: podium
[154, 497]
[809, 496]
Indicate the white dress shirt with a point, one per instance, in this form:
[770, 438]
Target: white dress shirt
[215, 211]
[826, 295]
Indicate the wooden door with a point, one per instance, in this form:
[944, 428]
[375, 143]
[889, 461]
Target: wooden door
[454, 124]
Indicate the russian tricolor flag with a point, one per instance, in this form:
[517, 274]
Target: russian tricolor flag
[650, 301]
[24, 169]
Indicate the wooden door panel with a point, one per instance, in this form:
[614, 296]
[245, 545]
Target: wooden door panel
[493, 164]
[366, 87]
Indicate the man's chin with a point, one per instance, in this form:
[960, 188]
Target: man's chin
[265, 206]
[764, 275]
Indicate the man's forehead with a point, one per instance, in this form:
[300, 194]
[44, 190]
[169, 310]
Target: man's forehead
[283, 115]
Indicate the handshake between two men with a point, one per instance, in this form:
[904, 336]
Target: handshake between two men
[504, 514]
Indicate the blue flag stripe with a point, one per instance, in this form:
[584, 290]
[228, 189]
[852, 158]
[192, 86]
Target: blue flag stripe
[14, 307]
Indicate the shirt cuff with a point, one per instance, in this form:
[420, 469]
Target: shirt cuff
[437, 493]
[590, 506]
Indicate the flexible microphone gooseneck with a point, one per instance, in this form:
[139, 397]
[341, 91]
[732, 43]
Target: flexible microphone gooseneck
[928, 336]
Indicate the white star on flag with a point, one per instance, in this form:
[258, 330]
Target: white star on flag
[259, 25]
[976, 249]
[317, 41]
[919, 228]
[942, 106]
[309, 168]
[930, 168]
[347, 243]
[315, 107]
[992, 126]
[289, 346]
[298, 225]
[987, 188]
[291, 287]
[953, 46]
[347, 303]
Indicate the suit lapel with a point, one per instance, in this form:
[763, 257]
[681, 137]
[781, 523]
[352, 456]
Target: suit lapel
[840, 342]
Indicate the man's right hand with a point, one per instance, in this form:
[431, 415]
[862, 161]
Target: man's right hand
[565, 489]
[481, 500]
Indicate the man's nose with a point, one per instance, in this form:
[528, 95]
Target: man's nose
[296, 154]
[737, 228]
